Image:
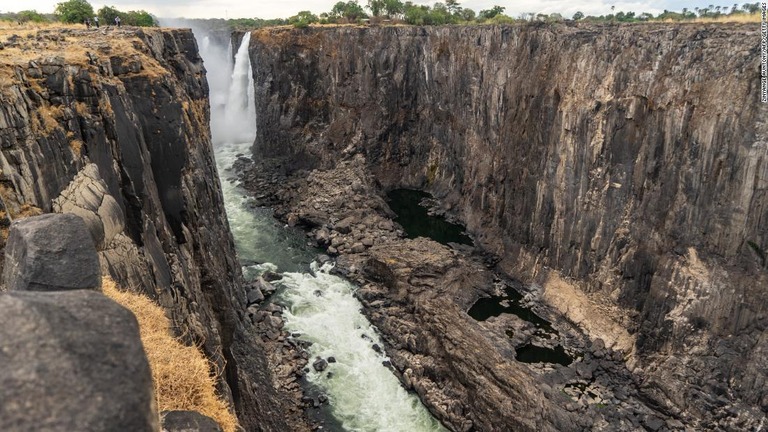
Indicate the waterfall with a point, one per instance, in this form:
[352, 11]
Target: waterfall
[240, 109]
[363, 394]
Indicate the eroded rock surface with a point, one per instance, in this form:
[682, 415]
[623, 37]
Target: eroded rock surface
[51, 252]
[72, 360]
[622, 168]
[113, 126]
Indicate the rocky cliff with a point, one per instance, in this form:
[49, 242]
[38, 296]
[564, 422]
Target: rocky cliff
[112, 125]
[623, 170]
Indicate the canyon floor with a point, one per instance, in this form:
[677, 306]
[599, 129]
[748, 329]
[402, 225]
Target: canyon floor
[417, 292]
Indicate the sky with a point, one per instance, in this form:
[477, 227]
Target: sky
[286, 8]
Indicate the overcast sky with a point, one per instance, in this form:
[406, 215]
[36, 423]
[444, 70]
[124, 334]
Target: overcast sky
[286, 8]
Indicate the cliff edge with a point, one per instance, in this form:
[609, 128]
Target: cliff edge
[620, 169]
[112, 125]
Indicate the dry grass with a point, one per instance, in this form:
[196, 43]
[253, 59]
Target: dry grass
[28, 210]
[73, 47]
[77, 147]
[50, 116]
[182, 375]
[737, 18]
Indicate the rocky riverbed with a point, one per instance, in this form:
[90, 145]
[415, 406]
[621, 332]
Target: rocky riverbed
[417, 293]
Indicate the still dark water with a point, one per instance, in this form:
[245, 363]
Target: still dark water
[416, 221]
[536, 354]
[509, 303]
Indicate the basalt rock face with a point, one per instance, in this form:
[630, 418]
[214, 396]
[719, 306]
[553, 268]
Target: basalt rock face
[623, 169]
[113, 126]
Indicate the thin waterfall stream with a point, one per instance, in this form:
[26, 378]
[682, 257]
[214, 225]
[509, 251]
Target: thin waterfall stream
[363, 394]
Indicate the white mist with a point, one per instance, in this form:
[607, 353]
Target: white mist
[364, 395]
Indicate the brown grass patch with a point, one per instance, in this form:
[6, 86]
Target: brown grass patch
[182, 375]
[28, 210]
[75, 47]
[82, 109]
[50, 116]
[737, 18]
[77, 147]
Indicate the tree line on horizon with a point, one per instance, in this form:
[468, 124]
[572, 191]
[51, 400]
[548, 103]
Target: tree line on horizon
[383, 11]
[451, 12]
[77, 11]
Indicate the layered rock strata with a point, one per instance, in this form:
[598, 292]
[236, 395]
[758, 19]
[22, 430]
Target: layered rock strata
[620, 168]
[112, 125]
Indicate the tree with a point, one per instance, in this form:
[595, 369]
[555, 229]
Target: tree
[467, 14]
[415, 14]
[140, 18]
[492, 12]
[578, 15]
[376, 6]
[74, 11]
[30, 16]
[350, 10]
[303, 19]
[107, 14]
[393, 7]
[453, 7]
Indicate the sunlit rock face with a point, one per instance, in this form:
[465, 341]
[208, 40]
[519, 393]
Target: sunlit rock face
[623, 169]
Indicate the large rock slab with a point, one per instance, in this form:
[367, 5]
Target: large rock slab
[72, 361]
[51, 252]
[188, 421]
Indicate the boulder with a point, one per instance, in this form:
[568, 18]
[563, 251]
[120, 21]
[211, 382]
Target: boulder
[188, 421]
[255, 296]
[320, 364]
[344, 226]
[51, 252]
[72, 361]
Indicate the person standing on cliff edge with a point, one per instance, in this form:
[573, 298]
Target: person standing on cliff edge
[96, 21]
[117, 21]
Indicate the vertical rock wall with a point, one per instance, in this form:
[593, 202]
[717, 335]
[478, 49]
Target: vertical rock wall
[624, 169]
[113, 126]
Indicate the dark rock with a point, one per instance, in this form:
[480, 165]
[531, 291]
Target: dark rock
[331, 359]
[255, 296]
[515, 212]
[187, 421]
[72, 361]
[265, 287]
[653, 423]
[322, 399]
[271, 276]
[51, 252]
[376, 348]
[320, 364]
[344, 226]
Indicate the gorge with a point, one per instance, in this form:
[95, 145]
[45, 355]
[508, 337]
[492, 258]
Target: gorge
[611, 180]
[620, 170]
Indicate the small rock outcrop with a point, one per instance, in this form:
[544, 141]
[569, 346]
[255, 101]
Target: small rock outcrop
[72, 360]
[187, 421]
[51, 252]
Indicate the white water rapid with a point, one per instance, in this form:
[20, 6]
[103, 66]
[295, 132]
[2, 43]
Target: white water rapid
[363, 394]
